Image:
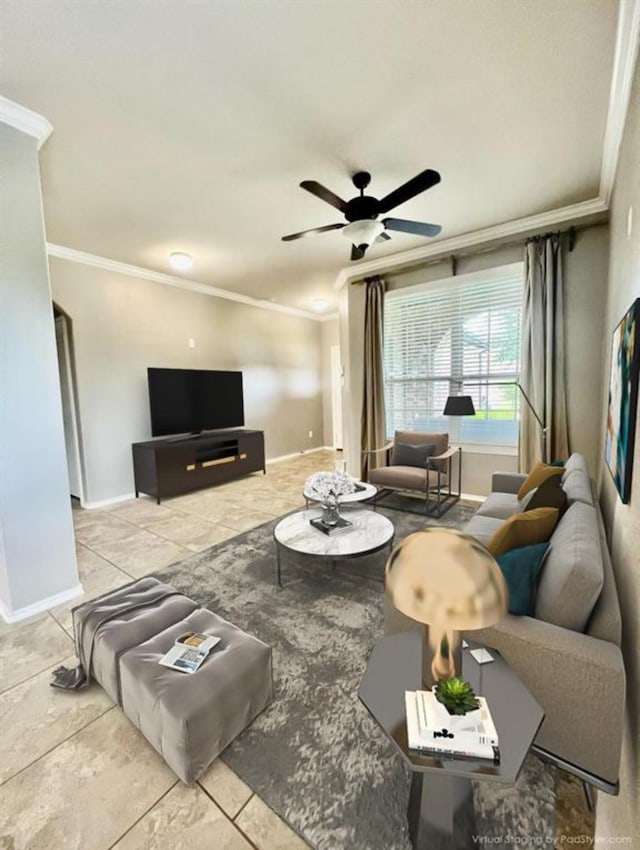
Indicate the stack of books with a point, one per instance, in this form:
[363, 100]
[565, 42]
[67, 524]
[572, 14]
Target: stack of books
[433, 731]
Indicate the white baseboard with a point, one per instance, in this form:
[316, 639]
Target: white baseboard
[38, 607]
[471, 497]
[301, 452]
[104, 503]
[127, 497]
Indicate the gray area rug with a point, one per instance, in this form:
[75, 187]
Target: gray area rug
[315, 756]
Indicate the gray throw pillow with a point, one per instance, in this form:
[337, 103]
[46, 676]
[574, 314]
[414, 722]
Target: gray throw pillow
[405, 454]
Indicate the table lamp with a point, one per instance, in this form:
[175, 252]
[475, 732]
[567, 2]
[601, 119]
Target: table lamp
[448, 581]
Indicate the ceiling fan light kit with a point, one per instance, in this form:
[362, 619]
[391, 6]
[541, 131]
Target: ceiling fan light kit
[361, 212]
[363, 233]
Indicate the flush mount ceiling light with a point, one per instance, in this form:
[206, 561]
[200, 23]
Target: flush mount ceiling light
[319, 305]
[180, 261]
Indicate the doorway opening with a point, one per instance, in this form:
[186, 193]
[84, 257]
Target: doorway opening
[336, 396]
[68, 394]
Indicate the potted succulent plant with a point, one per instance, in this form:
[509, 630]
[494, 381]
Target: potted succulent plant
[456, 695]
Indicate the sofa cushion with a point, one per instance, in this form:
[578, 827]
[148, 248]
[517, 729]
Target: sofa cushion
[110, 625]
[499, 505]
[576, 461]
[573, 572]
[548, 495]
[521, 568]
[523, 529]
[577, 485]
[189, 718]
[405, 454]
[539, 473]
[482, 527]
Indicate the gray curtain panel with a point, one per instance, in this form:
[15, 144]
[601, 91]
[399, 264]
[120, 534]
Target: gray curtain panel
[542, 372]
[373, 431]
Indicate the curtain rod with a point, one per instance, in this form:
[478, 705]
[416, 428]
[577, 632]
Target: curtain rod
[472, 251]
[571, 231]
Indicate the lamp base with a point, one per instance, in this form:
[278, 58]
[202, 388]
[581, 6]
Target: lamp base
[441, 656]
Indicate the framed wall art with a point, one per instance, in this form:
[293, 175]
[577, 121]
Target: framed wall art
[623, 400]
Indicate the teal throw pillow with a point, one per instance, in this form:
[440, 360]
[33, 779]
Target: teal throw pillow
[557, 463]
[521, 568]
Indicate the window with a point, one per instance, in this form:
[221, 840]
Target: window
[466, 328]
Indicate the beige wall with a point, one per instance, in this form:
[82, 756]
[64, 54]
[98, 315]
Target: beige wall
[351, 319]
[585, 296]
[121, 325]
[329, 336]
[37, 552]
[620, 816]
[586, 273]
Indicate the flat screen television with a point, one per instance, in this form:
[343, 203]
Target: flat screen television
[194, 400]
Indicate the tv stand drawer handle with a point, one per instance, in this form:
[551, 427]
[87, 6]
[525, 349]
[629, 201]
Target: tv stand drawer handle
[190, 467]
[243, 456]
[207, 463]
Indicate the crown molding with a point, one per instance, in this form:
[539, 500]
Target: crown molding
[64, 253]
[624, 63]
[496, 233]
[25, 120]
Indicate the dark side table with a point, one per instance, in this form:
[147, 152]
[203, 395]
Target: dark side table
[440, 813]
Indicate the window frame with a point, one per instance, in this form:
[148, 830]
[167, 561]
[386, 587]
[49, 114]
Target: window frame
[495, 273]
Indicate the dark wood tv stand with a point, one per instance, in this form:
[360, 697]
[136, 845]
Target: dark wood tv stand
[169, 467]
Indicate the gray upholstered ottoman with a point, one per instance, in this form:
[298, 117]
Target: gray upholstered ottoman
[107, 627]
[189, 718]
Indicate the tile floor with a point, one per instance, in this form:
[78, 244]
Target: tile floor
[74, 773]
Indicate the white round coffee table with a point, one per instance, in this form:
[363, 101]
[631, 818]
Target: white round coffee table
[369, 532]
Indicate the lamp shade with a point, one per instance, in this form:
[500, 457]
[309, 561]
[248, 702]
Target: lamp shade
[448, 581]
[443, 577]
[459, 405]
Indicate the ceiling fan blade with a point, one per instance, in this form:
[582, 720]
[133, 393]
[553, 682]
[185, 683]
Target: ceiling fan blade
[324, 194]
[384, 237]
[356, 253]
[420, 183]
[302, 233]
[419, 228]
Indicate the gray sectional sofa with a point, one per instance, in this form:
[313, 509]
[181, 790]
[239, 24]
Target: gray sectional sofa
[568, 654]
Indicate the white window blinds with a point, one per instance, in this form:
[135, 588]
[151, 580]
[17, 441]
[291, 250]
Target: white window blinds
[465, 328]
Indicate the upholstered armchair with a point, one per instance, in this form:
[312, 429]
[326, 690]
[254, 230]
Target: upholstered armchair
[414, 462]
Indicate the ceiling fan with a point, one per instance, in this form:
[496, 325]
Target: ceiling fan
[362, 227]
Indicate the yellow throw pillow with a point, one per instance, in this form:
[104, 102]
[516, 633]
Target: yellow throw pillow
[523, 529]
[539, 473]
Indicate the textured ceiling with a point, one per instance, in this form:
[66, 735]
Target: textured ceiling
[188, 125]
